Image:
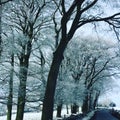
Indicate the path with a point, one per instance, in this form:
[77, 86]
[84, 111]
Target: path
[103, 115]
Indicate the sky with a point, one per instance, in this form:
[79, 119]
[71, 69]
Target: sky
[113, 95]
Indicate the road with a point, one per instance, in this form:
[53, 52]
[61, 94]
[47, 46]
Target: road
[103, 115]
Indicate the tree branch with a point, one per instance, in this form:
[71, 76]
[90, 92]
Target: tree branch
[89, 6]
[1, 3]
[114, 17]
[63, 6]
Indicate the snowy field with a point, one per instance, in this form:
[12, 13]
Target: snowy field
[37, 116]
[27, 116]
[34, 116]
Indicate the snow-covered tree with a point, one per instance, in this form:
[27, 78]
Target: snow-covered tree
[91, 64]
[26, 18]
[75, 14]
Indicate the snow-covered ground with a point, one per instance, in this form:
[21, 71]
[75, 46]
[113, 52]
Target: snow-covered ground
[89, 115]
[27, 116]
[37, 115]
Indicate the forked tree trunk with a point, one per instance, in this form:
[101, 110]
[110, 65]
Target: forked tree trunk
[48, 103]
[10, 96]
[66, 36]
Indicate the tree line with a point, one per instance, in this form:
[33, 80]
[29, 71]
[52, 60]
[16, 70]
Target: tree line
[42, 60]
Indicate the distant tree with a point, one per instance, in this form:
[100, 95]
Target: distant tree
[75, 65]
[7, 59]
[96, 72]
[89, 67]
[7, 73]
[10, 96]
[37, 71]
[112, 104]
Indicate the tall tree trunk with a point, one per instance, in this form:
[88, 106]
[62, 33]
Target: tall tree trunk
[74, 108]
[90, 105]
[59, 110]
[96, 99]
[67, 109]
[22, 89]
[10, 96]
[85, 105]
[24, 63]
[48, 103]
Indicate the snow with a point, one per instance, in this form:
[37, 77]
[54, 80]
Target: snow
[89, 115]
[35, 115]
[113, 95]
[27, 116]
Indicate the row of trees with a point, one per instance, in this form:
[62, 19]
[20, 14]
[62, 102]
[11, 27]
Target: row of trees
[21, 38]
[30, 31]
[86, 74]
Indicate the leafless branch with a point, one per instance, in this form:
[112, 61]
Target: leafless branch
[3, 2]
[114, 17]
[63, 6]
[89, 6]
[58, 6]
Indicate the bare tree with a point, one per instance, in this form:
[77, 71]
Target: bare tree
[75, 11]
[24, 19]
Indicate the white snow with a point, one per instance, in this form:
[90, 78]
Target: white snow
[27, 116]
[35, 115]
[89, 115]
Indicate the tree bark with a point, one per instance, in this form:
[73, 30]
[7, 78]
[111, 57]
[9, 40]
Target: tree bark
[91, 99]
[85, 105]
[10, 96]
[59, 110]
[74, 108]
[22, 89]
[48, 103]
[96, 99]
[21, 93]
[67, 109]
[66, 36]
